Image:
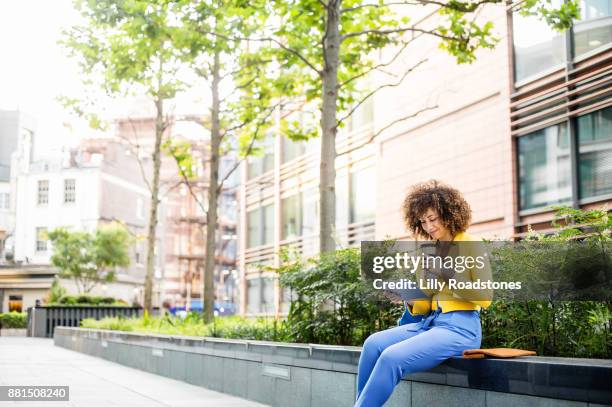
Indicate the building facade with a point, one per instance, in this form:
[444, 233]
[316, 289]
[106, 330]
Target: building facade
[17, 132]
[183, 238]
[526, 126]
[95, 184]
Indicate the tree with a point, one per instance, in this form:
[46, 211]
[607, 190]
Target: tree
[90, 259]
[323, 48]
[124, 47]
[241, 104]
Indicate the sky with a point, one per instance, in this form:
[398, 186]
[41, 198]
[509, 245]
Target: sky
[35, 70]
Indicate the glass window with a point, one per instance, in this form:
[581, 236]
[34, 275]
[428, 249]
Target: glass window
[69, 191]
[301, 214]
[260, 226]
[258, 165]
[595, 149]
[292, 216]
[254, 228]
[594, 30]
[253, 295]
[267, 302]
[363, 195]
[310, 212]
[292, 149]
[43, 192]
[41, 239]
[15, 303]
[537, 47]
[268, 222]
[544, 167]
[342, 203]
[5, 200]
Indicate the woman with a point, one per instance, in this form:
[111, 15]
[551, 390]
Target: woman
[437, 328]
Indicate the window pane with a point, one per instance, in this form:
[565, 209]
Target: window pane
[537, 47]
[363, 195]
[268, 232]
[43, 192]
[594, 29]
[5, 200]
[342, 203]
[253, 295]
[292, 216]
[595, 148]
[310, 212]
[254, 228]
[15, 303]
[544, 167]
[292, 149]
[69, 191]
[41, 239]
[260, 164]
[267, 303]
[260, 226]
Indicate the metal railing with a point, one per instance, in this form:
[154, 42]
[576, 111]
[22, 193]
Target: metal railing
[42, 321]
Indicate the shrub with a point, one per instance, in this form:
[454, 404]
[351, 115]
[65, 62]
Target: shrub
[332, 305]
[193, 325]
[558, 327]
[89, 300]
[14, 319]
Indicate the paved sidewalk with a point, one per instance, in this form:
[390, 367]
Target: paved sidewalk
[96, 382]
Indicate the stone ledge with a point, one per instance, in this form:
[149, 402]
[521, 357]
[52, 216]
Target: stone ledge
[582, 380]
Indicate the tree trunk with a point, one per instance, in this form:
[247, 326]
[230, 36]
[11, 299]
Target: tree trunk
[329, 127]
[159, 131]
[211, 213]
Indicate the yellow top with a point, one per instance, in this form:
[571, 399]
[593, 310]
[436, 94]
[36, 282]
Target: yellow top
[463, 300]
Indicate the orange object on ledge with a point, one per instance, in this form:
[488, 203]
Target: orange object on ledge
[496, 353]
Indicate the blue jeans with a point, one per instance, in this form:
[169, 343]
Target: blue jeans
[390, 354]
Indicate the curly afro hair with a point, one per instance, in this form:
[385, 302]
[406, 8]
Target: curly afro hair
[444, 199]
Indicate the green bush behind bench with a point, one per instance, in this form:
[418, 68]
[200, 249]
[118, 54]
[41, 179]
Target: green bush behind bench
[14, 320]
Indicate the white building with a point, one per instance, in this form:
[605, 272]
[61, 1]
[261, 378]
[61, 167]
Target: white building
[16, 137]
[97, 183]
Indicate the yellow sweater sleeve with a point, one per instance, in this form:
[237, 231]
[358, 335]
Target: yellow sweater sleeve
[420, 307]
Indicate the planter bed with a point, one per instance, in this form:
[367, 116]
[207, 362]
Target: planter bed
[286, 374]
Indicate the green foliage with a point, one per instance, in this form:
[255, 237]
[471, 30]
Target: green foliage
[298, 43]
[193, 325]
[180, 150]
[556, 327]
[90, 259]
[56, 292]
[557, 14]
[123, 43]
[567, 328]
[88, 300]
[14, 320]
[332, 304]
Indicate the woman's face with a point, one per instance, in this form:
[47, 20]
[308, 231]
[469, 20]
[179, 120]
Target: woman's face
[432, 224]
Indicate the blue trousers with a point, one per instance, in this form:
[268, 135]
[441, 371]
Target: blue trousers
[390, 354]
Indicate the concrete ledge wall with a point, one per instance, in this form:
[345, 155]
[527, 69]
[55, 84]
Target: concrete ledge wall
[283, 374]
